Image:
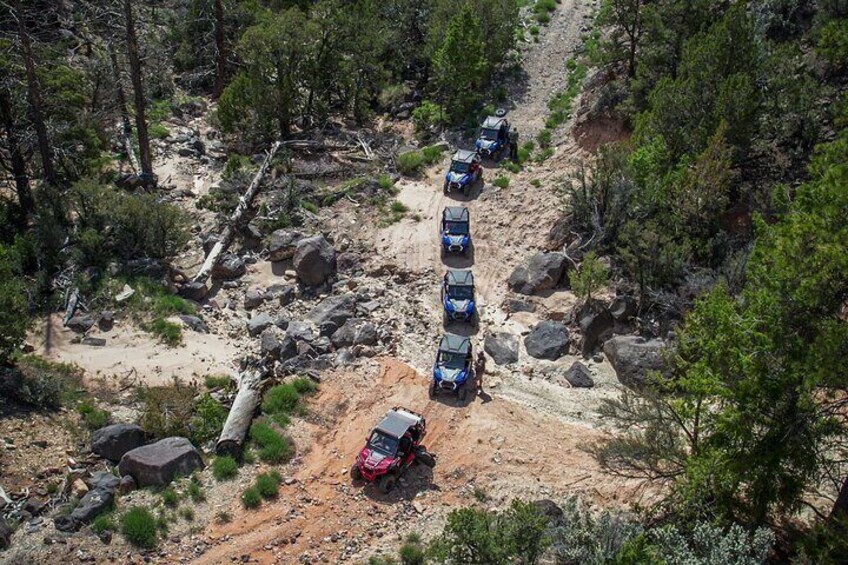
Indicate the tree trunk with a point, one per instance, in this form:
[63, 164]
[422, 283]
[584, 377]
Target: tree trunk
[19, 168]
[126, 129]
[241, 414]
[34, 96]
[220, 50]
[145, 159]
[229, 232]
[840, 507]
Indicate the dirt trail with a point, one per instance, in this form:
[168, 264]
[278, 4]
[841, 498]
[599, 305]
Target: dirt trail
[322, 516]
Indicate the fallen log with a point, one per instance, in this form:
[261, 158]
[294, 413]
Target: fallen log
[229, 232]
[248, 398]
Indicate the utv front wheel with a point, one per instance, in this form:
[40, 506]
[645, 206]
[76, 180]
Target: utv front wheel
[432, 390]
[462, 394]
[387, 483]
[355, 473]
[426, 458]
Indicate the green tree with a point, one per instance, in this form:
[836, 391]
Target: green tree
[13, 306]
[459, 65]
[591, 276]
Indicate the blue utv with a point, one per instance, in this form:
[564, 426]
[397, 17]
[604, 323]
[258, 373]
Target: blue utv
[452, 368]
[458, 297]
[464, 171]
[456, 230]
[493, 138]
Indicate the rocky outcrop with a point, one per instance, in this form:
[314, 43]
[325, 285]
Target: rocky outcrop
[230, 267]
[502, 347]
[542, 271]
[99, 498]
[80, 324]
[335, 309]
[547, 340]
[283, 244]
[314, 260]
[595, 323]
[158, 463]
[113, 441]
[634, 358]
[578, 376]
[196, 291]
[258, 324]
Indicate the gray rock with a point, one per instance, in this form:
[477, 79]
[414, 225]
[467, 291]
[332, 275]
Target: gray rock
[365, 335]
[348, 262]
[282, 292]
[81, 323]
[269, 344]
[106, 321]
[6, 532]
[595, 323]
[502, 347]
[548, 340]
[195, 323]
[634, 358]
[542, 271]
[623, 308]
[104, 480]
[258, 324]
[322, 345]
[253, 298]
[127, 484]
[283, 244]
[344, 336]
[301, 331]
[336, 309]
[513, 305]
[113, 441]
[578, 376]
[152, 268]
[550, 510]
[196, 291]
[93, 341]
[157, 464]
[314, 260]
[229, 267]
[93, 503]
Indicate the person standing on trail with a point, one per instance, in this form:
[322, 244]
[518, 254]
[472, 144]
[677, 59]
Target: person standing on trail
[480, 369]
[513, 145]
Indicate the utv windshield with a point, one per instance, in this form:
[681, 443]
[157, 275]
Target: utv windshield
[459, 167]
[461, 292]
[489, 133]
[451, 360]
[456, 228]
[386, 445]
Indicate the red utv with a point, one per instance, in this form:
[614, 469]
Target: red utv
[391, 448]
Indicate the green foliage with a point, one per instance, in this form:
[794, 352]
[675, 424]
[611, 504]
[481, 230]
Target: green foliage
[832, 43]
[158, 131]
[707, 543]
[251, 498]
[166, 411]
[560, 105]
[501, 182]
[410, 162]
[170, 498]
[213, 382]
[281, 400]
[411, 554]
[428, 115]
[304, 385]
[268, 484]
[13, 306]
[479, 537]
[224, 468]
[103, 522]
[195, 490]
[544, 137]
[139, 527]
[187, 514]
[235, 164]
[581, 537]
[273, 447]
[41, 383]
[169, 333]
[591, 276]
[432, 154]
[208, 419]
[93, 417]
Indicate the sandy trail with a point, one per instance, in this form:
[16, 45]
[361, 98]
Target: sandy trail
[482, 444]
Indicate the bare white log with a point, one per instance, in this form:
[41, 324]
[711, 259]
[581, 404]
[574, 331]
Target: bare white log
[229, 232]
[241, 414]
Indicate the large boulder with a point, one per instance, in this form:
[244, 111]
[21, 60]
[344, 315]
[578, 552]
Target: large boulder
[99, 498]
[502, 347]
[229, 267]
[253, 298]
[283, 244]
[158, 463]
[595, 323]
[335, 309]
[542, 271]
[81, 323]
[276, 346]
[196, 291]
[355, 331]
[634, 358]
[548, 340]
[314, 260]
[578, 376]
[113, 441]
[259, 323]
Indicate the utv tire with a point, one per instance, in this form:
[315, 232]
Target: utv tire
[431, 391]
[445, 189]
[462, 395]
[387, 483]
[425, 458]
[355, 473]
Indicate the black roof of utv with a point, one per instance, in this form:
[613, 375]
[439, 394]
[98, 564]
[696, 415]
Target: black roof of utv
[459, 278]
[455, 344]
[455, 214]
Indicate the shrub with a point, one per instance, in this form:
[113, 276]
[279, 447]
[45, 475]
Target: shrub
[585, 538]
[273, 447]
[168, 304]
[544, 6]
[398, 207]
[386, 183]
[139, 527]
[542, 17]
[103, 522]
[536, 183]
[217, 381]
[169, 333]
[393, 95]
[432, 154]
[170, 498]
[309, 206]
[93, 418]
[268, 484]
[534, 30]
[166, 411]
[427, 115]
[208, 420]
[544, 137]
[187, 513]
[304, 385]
[251, 498]
[281, 399]
[501, 182]
[591, 276]
[40, 383]
[511, 166]
[544, 155]
[195, 491]
[411, 554]
[235, 164]
[410, 162]
[159, 131]
[224, 468]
